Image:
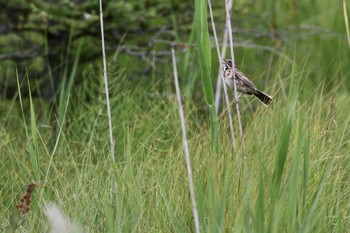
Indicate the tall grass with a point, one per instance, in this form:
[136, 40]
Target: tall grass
[105, 79]
[295, 186]
[32, 137]
[299, 165]
[220, 82]
[186, 147]
[204, 57]
[346, 21]
[235, 92]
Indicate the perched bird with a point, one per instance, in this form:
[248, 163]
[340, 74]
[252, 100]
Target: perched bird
[243, 84]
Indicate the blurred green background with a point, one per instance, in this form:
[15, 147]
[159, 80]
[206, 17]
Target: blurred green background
[54, 127]
[40, 40]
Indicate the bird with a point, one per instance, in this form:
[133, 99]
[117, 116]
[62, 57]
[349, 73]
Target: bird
[243, 84]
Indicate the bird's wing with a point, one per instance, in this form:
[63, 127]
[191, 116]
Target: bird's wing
[245, 80]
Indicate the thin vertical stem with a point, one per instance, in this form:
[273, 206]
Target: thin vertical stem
[219, 79]
[106, 90]
[346, 21]
[223, 51]
[185, 142]
[223, 54]
[235, 91]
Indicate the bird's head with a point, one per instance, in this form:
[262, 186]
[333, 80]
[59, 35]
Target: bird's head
[227, 63]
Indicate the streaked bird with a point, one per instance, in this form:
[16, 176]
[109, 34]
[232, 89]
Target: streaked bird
[243, 84]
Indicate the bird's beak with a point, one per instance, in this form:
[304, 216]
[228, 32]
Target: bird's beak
[224, 61]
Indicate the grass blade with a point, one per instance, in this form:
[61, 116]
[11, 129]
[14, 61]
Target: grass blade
[204, 55]
[308, 220]
[33, 145]
[346, 21]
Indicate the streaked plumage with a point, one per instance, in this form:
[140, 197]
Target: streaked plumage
[243, 84]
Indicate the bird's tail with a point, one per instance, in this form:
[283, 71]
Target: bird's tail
[264, 98]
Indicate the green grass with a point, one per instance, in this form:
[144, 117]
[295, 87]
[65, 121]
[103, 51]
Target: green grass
[297, 148]
[308, 193]
[204, 57]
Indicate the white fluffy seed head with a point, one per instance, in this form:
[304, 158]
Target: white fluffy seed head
[59, 222]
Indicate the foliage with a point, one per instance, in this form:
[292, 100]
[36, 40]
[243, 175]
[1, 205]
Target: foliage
[297, 149]
[204, 57]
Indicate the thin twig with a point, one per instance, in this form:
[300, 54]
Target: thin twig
[185, 142]
[220, 56]
[235, 92]
[107, 92]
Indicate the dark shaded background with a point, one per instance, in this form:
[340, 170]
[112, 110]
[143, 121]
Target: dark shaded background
[40, 39]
